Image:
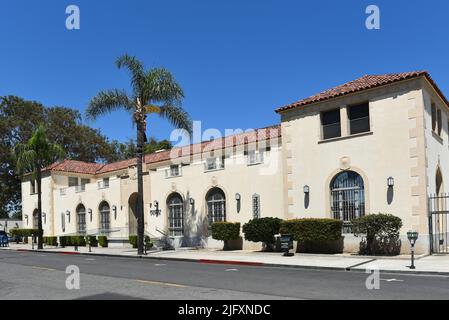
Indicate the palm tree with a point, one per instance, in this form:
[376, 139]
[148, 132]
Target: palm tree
[153, 91]
[32, 157]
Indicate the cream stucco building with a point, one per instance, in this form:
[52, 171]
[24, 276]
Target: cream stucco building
[376, 144]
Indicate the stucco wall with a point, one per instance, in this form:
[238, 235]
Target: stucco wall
[383, 152]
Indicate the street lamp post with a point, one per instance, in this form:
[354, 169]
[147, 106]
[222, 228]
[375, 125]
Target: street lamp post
[412, 237]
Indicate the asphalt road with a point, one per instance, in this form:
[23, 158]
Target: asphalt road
[29, 275]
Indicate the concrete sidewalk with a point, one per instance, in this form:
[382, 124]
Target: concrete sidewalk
[398, 264]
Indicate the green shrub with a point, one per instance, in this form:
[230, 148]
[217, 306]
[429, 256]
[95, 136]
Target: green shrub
[225, 230]
[50, 241]
[63, 241]
[103, 241]
[380, 233]
[148, 242]
[92, 240]
[77, 241]
[262, 230]
[312, 229]
[133, 240]
[23, 232]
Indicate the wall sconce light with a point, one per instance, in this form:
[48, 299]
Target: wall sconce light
[238, 198]
[390, 182]
[26, 218]
[68, 215]
[156, 204]
[114, 209]
[192, 202]
[44, 216]
[306, 189]
[89, 211]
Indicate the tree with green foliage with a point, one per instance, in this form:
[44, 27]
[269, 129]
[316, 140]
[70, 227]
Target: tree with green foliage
[19, 119]
[153, 91]
[32, 158]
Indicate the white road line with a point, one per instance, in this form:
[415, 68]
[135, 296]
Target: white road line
[391, 280]
[159, 264]
[90, 259]
[232, 270]
[168, 284]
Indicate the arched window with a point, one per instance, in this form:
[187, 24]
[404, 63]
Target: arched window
[105, 219]
[216, 205]
[439, 183]
[347, 198]
[175, 215]
[81, 219]
[35, 219]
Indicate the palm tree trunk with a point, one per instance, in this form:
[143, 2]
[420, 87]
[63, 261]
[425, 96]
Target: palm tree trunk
[140, 214]
[40, 232]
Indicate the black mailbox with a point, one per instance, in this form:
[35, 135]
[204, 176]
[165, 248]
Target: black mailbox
[286, 244]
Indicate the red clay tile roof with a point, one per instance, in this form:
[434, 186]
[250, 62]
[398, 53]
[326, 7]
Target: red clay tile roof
[363, 83]
[72, 166]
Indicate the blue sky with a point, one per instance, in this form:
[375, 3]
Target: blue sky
[237, 60]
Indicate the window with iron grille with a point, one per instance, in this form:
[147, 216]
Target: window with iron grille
[330, 124]
[81, 219]
[105, 219]
[347, 198]
[216, 206]
[359, 118]
[175, 215]
[256, 206]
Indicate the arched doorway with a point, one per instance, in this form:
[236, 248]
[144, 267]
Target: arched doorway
[132, 214]
[175, 207]
[81, 219]
[105, 217]
[347, 198]
[216, 205]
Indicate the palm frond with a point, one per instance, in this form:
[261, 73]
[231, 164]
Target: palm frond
[177, 116]
[136, 69]
[107, 101]
[26, 158]
[161, 86]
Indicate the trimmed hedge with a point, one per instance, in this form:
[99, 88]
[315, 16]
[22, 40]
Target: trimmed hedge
[225, 230]
[103, 241]
[380, 232]
[312, 229]
[262, 230]
[133, 240]
[92, 240]
[51, 241]
[147, 241]
[23, 232]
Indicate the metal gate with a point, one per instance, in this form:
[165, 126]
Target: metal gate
[438, 223]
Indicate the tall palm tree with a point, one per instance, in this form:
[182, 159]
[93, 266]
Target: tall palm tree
[153, 91]
[32, 157]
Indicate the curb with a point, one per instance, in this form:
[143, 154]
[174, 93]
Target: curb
[236, 262]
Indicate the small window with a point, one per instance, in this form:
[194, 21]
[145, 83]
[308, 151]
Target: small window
[104, 183]
[214, 163]
[439, 122]
[255, 156]
[330, 122]
[434, 117]
[73, 181]
[256, 206]
[359, 118]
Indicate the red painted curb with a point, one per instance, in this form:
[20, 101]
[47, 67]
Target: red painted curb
[241, 263]
[60, 252]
